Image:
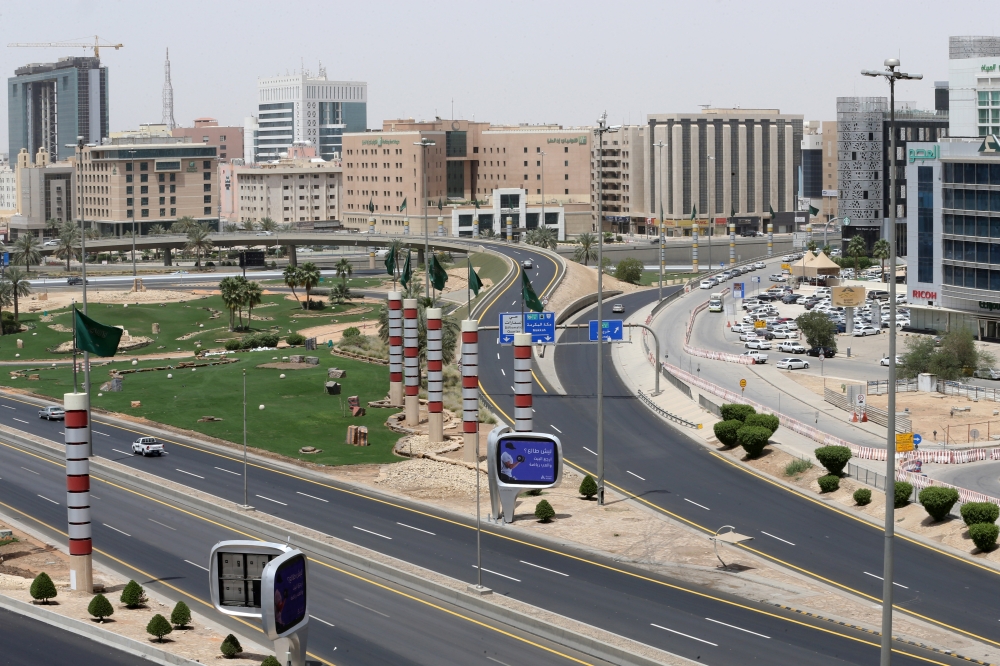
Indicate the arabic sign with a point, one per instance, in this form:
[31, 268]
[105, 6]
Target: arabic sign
[904, 442]
[526, 461]
[510, 323]
[542, 326]
[612, 330]
[743, 383]
[922, 154]
[737, 290]
[847, 297]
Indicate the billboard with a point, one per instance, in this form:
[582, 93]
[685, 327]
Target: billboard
[236, 571]
[528, 461]
[847, 297]
[284, 590]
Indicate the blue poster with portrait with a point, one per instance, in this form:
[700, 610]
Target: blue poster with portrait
[526, 461]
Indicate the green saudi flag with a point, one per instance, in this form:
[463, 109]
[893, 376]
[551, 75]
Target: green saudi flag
[407, 275]
[371, 205]
[732, 212]
[771, 208]
[813, 211]
[403, 207]
[390, 261]
[438, 275]
[528, 295]
[475, 284]
[94, 337]
[694, 212]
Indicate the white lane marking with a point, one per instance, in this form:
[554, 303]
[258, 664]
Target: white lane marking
[533, 411]
[102, 433]
[512, 389]
[504, 373]
[555, 428]
[123, 452]
[497, 661]
[499, 574]
[696, 504]
[8, 407]
[94, 497]
[778, 538]
[30, 470]
[21, 420]
[588, 450]
[329, 624]
[636, 475]
[365, 607]
[62, 432]
[312, 497]
[513, 302]
[684, 635]
[197, 565]
[543, 569]
[272, 500]
[733, 626]
[498, 356]
[870, 574]
[161, 524]
[228, 471]
[415, 528]
[48, 500]
[192, 474]
[116, 529]
[370, 532]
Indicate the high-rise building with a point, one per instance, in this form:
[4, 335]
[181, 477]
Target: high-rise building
[50, 105]
[973, 85]
[299, 108]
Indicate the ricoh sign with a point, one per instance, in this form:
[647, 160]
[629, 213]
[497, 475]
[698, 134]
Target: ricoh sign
[924, 295]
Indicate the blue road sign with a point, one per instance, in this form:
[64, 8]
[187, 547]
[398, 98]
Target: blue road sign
[755, 278]
[737, 290]
[542, 326]
[613, 329]
[917, 439]
[6, 258]
[510, 323]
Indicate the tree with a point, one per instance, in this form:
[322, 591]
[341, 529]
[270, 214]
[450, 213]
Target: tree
[957, 355]
[69, 243]
[629, 270]
[811, 246]
[249, 225]
[18, 286]
[818, 329]
[340, 293]
[181, 615]
[198, 241]
[230, 288]
[252, 297]
[753, 439]
[984, 536]
[26, 251]
[309, 278]
[588, 487]
[267, 224]
[857, 248]
[159, 627]
[6, 299]
[133, 595]
[834, 458]
[292, 279]
[230, 228]
[52, 227]
[826, 249]
[587, 249]
[545, 237]
[544, 511]
[270, 661]
[881, 252]
[42, 588]
[157, 230]
[230, 646]
[344, 270]
[184, 225]
[100, 607]
[920, 351]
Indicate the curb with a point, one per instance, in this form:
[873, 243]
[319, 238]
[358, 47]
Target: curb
[95, 633]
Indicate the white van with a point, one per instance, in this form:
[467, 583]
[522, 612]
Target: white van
[715, 303]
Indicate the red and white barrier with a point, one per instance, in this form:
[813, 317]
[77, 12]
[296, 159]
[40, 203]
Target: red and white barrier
[411, 362]
[523, 412]
[77, 433]
[435, 377]
[396, 348]
[470, 389]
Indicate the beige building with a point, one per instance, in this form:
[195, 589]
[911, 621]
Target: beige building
[44, 191]
[622, 174]
[828, 210]
[229, 140]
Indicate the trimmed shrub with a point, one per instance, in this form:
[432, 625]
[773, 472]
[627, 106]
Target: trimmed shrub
[544, 511]
[732, 411]
[181, 615]
[797, 467]
[834, 458]
[295, 339]
[159, 627]
[534, 492]
[588, 487]
[902, 494]
[270, 661]
[351, 332]
[133, 595]
[829, 483]
[100, 607]
[863, 496]
[977, 513]
[984, 535]
[753, 439]
[230, 647]
[937, 501]
[726, 432]
[234, 344]
[42, 588]
[768, 421]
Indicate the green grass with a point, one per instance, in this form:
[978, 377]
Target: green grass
[653, 277]
[297, 412]
[328, 282]
[175, 319]
[488, 267]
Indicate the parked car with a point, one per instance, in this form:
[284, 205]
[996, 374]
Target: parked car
[757, 344]
[987, 373]
[147, 446]
[527, 264]
[864, 330]
[791, 347]
[265, 233]
[756, 356]
[827, 352]
[748, 335]
[740, 328]
[792, 364]
[899, 360]
[52, 412]
[781, 334]
[618, 308]
[791, 299]
[777, 277]
[759, 265]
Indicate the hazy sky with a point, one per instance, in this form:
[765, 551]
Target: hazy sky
[506, 61]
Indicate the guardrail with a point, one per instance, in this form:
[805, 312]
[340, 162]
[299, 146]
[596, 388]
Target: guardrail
[664, 413]
[968, 390]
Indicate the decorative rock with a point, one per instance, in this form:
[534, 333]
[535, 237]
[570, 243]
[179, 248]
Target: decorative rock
[281, 376]
[169, 376]
[17, 355]
[312, 360]
[332, 388]
[310, 449]
[34, 377]
[113, 385]
[335, 373]
[136, 403]
[261, 407]
[135, 362]
[100, 395]
[205, 419]
[156, 328]
[295, 359]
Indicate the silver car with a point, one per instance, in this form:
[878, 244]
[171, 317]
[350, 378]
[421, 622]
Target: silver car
[987, 373]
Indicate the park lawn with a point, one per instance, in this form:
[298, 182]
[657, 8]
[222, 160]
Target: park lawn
[328, 282]
[487, 266]
[175, 319]
[297, 411]
[653, 277]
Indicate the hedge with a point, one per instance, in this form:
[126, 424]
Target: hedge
[903, 490]
[133, 595]
[753, 439]
[863, 496]
[159, 627]
[834, 458]
[829, 483]
[230, 647]
[768, 421]
[181, 615]
[732, 411]
[726, 432]
[295, 339]
[937, 501]
[100, 607]
[984, 535]
[974, 513]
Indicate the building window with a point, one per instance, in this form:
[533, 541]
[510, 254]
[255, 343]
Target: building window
[144, 189]
[128, 213]
[566, 176]
[208, 175]
[173, 211]
[208, 187]
[144, 201]
[128, 202]
[144, 212]
[208, 210]
[144, 178]
[143, 166]
[173, 177]
[162, 187]
[208, 198]
[222, 137]
[925, 224]
[128, 190]
[173, 188]
[206, 164]
[163, 200]
[128, 166]
[173, 200]
[161, 177]
[163, 212]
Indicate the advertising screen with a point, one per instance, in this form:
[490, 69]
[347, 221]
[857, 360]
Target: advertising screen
[526, 461]
[290, 594]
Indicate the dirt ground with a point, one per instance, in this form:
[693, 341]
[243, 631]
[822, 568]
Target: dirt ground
[54, 300]
[580, 281]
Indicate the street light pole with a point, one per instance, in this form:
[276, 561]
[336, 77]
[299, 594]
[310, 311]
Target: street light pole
[424, 144]
[891, 75]
[826, 228]
[542, 225]
[663, 171]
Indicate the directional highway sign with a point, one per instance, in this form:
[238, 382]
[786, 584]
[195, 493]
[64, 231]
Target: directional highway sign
[613, 329]
[541, 325]
[737, 290]
[510, 323]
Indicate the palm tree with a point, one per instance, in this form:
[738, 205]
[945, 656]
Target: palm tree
[27, 251]
[587, 249]
[157, 230]
[199, 241]
[5, 300]
[340, 293]
[252, 296]
[292, 279]
[230, 228]
[19, 287]
[857, 248]
[543, 237]
[69, 243]
[183, 225]
[308, 279]
[344, 270]
[267, 224]
[231, 288]
[52, 226]
[881, 252]
[249, 225]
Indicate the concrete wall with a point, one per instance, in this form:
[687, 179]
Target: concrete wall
[678, 251]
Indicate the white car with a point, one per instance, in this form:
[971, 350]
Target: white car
[793, 364]
[862, 331]
[899, 360]
[739, 328]
[707, 284]
[757, 344]
[777, 277]
[759, 265]
[265, 233]
[748, 335]
[781, 334]
[791, 347]
[51, 243]
[617, 308]
[527, 264]
[984, 373]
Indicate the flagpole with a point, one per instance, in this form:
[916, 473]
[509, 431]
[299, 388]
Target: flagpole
[75, 386]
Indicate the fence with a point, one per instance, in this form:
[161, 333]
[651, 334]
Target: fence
[972, 432]
[708, 353]
[881, 386]
[664, 413]
[968, 390]
[875, 414]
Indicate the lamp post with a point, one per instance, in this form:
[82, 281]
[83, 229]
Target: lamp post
[424, 144]
[542, 225]
[891, 75]
[81, 200]
[601, 129]
[663, 172]
[826, 228]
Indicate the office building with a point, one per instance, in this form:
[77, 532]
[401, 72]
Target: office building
[207, 130]
[8, 190]
[44, 191]
[50, 105]
[621, 173]
[973, 95]
[297, 108]
[723, 163]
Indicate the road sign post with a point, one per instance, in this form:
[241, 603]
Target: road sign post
[743, 386]
[613, 330]
[541, 326]
[904, 442]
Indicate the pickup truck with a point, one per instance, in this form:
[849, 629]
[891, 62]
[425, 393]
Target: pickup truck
[147, 446]
[756, 356]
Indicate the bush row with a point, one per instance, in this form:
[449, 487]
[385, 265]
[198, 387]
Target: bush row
[253, 341]
[742, 425]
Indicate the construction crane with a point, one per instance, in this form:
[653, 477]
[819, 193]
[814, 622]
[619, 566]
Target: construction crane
[96, 45]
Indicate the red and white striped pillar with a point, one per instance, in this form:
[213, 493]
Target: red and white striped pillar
[523, 414]
[435, 377]
[470, 389]
[77, 406]
[396, 348]
[411, 364]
